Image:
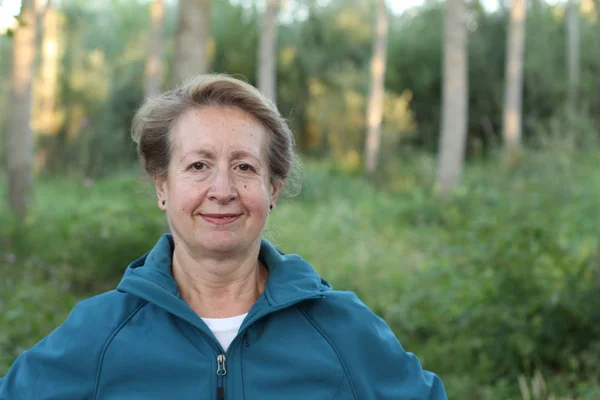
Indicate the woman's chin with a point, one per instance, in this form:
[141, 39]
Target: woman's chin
[222, 242]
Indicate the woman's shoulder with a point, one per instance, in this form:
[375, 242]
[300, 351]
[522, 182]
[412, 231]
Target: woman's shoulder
[95, 319]
[107, 301]
[344, 314]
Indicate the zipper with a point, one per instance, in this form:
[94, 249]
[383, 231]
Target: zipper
[221, 372]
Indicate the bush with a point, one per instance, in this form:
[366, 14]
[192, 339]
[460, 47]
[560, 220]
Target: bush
[510, 290]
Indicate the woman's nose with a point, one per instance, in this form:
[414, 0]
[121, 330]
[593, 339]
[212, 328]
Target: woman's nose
[222, 188]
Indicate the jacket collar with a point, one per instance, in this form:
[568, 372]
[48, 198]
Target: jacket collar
[291, 279]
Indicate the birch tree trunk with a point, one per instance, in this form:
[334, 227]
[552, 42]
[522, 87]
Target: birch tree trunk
[377, 88]
[47, 120]
[455, 98]
[19, 133]
[153, 63]
[513, 86]
[267, 51]
[192, 39]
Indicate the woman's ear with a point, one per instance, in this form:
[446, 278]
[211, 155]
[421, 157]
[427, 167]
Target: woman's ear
[160, 184]
[275, 190]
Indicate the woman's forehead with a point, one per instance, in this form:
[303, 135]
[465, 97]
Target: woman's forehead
[211, 130]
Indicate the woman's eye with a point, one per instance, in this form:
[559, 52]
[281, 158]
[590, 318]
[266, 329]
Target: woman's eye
[198, 166]
[246, 167]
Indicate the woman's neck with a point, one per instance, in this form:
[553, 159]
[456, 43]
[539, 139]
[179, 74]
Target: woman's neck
[219, 288]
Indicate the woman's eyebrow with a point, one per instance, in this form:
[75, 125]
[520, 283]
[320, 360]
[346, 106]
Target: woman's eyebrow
[238, 154]
[202, 152]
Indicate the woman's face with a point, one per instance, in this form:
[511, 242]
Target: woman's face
[217, 191]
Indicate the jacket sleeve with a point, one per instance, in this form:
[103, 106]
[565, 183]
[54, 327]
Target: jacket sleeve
[375, 362]
[61, 366]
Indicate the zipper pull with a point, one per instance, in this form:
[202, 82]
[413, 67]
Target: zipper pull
[221, 371]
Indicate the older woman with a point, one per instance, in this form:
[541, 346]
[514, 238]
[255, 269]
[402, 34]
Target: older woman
[214, 311]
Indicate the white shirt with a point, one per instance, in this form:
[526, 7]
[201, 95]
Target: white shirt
[225, 329]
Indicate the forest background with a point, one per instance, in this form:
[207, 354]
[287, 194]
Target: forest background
[451, 166]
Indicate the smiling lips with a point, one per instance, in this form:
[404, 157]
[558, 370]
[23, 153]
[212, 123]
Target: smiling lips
[220, 219]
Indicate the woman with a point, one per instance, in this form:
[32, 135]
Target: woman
[214, 311]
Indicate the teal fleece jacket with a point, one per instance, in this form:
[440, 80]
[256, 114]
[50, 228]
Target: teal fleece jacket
[301, 340]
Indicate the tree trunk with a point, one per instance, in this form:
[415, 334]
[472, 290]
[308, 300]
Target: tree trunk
[46, 117]
[154, 63]
[573, 65]
[375, 102]
[513, 86]
[19, 134]
[267, 51]
[47, 123]
[455, 98]
[192, 39]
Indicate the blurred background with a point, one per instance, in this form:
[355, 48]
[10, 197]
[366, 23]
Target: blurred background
[451, 165]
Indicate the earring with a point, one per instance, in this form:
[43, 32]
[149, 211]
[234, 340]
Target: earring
[271, 207]
[164, 202]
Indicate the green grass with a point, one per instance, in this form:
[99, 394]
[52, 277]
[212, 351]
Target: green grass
[495, 284]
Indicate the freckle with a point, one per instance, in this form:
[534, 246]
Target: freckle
[244, 186]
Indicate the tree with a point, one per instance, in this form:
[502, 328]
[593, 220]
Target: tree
[267, 51]
[513, 86]
[375, 102]
[154, 63]
[46, 117]
[19, 133]
[454, 98]
[47, 123]
[192, 39]
[573, 63]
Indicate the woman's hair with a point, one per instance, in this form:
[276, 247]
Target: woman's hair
[154, 121]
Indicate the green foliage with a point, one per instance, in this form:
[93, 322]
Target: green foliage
[101, 83]
[89, 219]
[33, 302]
[235, 35]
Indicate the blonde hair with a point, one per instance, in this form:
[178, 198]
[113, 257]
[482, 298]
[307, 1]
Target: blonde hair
[154, 121]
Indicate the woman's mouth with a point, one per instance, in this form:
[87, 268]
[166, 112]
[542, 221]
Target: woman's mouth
[220, 219]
